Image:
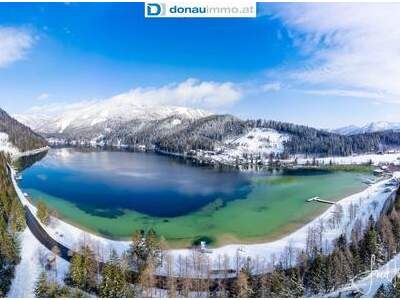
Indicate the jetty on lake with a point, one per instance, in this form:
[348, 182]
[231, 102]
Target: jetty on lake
[318, 199]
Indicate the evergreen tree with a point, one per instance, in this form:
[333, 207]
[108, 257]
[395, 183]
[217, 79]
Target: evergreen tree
[42, 212]
[145, 248]
[83, 269]
[369, 245]
[114, 282]
[314, 277]
[41, 287]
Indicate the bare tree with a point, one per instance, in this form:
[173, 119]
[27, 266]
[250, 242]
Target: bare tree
[56, 252]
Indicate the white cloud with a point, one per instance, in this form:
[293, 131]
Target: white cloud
[271, 87]
[346, 46]
[344, 93]
[43, 96]
[14, 43]
[191, 93]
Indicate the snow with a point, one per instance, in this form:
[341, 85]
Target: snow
[370, 127]
[33, 254]
[30, 152]
[257, 142]
[371, 201]
[94, 112]
[376, 159]
[6, 145]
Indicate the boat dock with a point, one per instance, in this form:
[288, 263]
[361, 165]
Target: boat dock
[318, 199]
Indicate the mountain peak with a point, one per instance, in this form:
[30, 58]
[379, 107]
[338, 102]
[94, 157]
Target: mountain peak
[90, 114]
[368, 128]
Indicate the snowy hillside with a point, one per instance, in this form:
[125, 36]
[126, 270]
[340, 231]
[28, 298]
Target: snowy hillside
[6, 146]
[114, 110]
[259, 141]
[257, 144]
[368, 128]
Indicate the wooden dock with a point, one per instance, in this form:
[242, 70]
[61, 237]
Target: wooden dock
[318, 199]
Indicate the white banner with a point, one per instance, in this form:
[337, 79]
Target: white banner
[200, 9]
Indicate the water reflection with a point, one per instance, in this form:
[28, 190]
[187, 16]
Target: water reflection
[106, 183]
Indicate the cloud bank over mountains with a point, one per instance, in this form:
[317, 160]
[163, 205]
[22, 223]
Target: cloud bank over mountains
[193, 93]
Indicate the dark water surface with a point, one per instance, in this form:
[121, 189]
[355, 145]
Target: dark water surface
[106, 183]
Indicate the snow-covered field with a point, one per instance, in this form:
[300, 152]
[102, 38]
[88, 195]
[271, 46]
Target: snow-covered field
[359, 206]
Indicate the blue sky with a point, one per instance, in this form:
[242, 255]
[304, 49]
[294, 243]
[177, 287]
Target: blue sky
[286, 64]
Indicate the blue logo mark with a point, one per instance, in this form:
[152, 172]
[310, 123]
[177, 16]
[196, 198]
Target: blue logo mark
[154, 9]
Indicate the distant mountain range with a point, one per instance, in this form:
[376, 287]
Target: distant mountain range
[102, 116]
[181, 130]
[368, 128]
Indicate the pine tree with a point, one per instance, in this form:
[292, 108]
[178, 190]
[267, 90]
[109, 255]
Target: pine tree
[83, 269]
[76, 272]
[395, 219]
[146, 254]
[314, 275]
[41, 286]
[369, 248]
[114, 283]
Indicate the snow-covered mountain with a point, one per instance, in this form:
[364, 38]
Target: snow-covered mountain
[368, 128]
[100, 114]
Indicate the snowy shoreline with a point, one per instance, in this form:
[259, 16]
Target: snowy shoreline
[370, 201]
[30, 152]
[231, 154]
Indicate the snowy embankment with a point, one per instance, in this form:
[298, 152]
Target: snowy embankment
[7, 147]
[337, 219]
[375, 159]
[30, 152]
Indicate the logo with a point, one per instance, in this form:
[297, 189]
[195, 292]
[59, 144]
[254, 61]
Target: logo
[200, 9]
[155, 9]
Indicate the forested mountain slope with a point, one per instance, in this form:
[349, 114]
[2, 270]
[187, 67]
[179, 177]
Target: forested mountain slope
[20, 135]
[182, 130]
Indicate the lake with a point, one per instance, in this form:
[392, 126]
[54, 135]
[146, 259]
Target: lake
[114, 193]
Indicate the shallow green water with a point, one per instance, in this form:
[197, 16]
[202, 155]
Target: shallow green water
[267, 205]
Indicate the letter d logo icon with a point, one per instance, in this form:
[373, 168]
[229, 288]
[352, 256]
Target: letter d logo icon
[154, 9]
